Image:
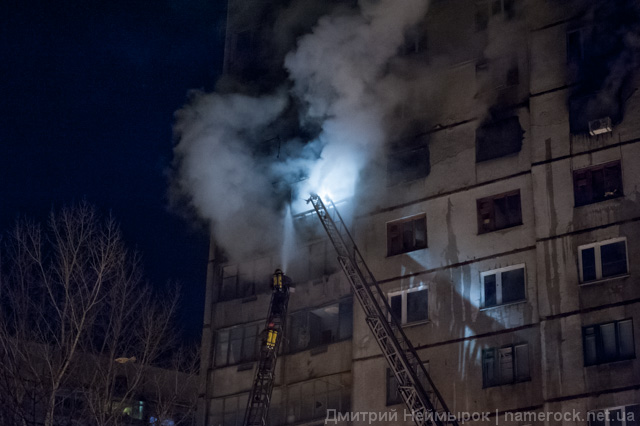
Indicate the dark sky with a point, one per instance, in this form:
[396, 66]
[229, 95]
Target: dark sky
[87, 94]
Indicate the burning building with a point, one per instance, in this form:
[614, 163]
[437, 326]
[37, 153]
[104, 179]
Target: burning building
[487, 155]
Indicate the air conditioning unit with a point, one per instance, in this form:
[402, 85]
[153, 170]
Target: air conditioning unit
[600, 126]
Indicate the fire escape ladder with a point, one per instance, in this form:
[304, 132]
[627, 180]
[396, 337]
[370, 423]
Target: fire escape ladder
[259, 401]
[414, 383]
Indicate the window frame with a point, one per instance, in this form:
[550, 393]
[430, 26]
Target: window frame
[339, 329]
[400, 234]
[499, 296]
[403, 307]
[597, 246]
[498, 379]
[492, 200]
[607, 421]
[589, 171]
[599, 355]
[242, 360]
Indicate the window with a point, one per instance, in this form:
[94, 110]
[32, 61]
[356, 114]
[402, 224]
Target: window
[236, 345]
[410, 305]
[499, 138]
[408, 165]
[599, 183]
[608, 342]
[503, 286]
[499, 212]
[575, 45]
[619, 416]
[245, 280]
[603, 260]
[406, 235]
[486, 9]
[228, 411]
[322, 326]
[393, 395]
[505, 365]
[310, 400]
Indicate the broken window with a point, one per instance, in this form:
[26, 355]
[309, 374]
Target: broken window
[237, 345]
[608, 342]
[406, 235]
[603, 259]
[411, 305]
[499, 212]
[503, 286]
[628, 415]
[505, 365]
[597, 183]
[407, 165]
[321, 326]
[498, 139]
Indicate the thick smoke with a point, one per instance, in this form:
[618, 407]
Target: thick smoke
[337, 74]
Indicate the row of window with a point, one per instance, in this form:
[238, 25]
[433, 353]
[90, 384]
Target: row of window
[308, 329]
[297, 403]
[591, 185]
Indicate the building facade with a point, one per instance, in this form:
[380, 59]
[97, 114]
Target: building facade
[504, 230]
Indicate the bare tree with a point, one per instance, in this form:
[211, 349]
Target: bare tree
[76, 321]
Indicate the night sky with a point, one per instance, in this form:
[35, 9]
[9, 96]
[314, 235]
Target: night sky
[87, 95]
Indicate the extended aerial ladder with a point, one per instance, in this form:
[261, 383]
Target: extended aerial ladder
[257, 410]
[421, 397]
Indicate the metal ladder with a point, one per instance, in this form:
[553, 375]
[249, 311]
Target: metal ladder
[421, 398]
[257, 411]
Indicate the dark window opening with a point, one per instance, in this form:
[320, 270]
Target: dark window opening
[603, 260]
[393, 394]
[499, 212]
[236, 345]
[619, 416]
[503, 286]
[608, 342]
[499, 139]
[408, 165]
[505, 365]
[598, 183]
[406, 235]
[322, 326]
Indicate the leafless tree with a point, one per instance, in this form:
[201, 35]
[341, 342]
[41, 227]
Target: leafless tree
[76, 321]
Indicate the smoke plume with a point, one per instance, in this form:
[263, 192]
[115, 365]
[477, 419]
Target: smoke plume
[338, 79]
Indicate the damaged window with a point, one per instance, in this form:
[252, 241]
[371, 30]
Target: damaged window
[498, 139]
[406, 235]
[608, 342]
[322, 326]
[603, 259]
[499, 212]
[408, 165]
[505, 365]
[598, 183]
